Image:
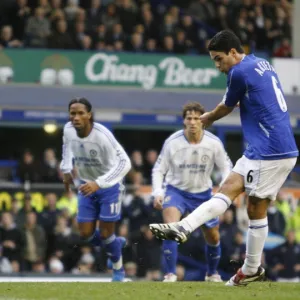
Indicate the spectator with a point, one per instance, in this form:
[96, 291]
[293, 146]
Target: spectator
[116, 34]
[19, 17]
[20, 217]
[71, 9]
[94, 14]
[64, 242]
[136, 211]
[118, 46]
[7, 39]
[223, 19]
[203, 11]
[228, 229]
[47, 220]
[35, 242]
[151, 157]
[180, 43]
[149, 254]
[49, 167]
[128, 15]
[46, 6]
[60, 38]
[79, 35]
[5, 265]
[295, 222]
[151, 46]
[110, 18]
[28, 168]
[55, 266]
[151, 29]
[100, 35]
[284, 49]
[189, 27]
[136, 43]
[38, 29]
[68, 201]
[11, 241]
[276, 220]
[168, 44]
[286, 260]
[168, 26]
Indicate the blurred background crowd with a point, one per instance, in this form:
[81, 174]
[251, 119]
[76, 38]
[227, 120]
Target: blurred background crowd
[152, 26]
[39, 231]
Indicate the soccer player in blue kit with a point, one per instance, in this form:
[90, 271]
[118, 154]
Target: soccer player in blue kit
[101, 163]
[270, 152]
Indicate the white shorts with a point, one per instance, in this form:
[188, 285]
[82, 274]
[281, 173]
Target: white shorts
[264, 178]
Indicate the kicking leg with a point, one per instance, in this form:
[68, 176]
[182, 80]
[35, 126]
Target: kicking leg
[217, 205]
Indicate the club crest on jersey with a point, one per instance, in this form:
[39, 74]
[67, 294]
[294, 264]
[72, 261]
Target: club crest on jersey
[167, 199]
[93, 153]
[204, 158]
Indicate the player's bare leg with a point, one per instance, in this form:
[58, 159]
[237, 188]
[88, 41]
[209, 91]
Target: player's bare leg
[213, 252]
[86, 230]
[256, 237]
[170, 248]
[217, 205]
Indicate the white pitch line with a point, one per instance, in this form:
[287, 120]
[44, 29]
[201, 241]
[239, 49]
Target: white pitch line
[55, 279]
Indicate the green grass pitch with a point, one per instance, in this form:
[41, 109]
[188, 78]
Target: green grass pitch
[147, 290]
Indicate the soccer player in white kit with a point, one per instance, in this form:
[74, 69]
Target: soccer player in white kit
[270, 155]
[101, 163]
[184, 167]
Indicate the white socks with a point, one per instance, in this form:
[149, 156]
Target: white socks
[213, 208]
[256, 237]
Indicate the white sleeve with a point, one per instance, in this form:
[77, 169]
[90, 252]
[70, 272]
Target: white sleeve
[222, 161]
[159, 171]
[66, 164]
[121, 165]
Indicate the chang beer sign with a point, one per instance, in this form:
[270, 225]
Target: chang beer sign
[151, 71]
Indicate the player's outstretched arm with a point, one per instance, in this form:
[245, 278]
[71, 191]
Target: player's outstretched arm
[219, 112]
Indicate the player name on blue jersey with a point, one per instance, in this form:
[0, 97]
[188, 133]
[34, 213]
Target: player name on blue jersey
[265, 120]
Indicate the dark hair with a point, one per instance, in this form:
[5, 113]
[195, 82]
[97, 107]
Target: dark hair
[85, 102]
[224, 41]
[193, 106]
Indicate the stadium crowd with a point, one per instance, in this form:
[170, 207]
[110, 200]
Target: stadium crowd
[153, 26]
[39, 232]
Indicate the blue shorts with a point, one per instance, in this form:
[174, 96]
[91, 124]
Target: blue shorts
[188, 202]
[104, 205]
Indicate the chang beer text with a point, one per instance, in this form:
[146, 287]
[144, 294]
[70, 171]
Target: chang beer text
[167, 72]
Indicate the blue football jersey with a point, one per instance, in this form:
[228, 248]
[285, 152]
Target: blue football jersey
[265, 120]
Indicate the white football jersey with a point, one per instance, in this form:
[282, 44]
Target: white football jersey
[189, 167]
[97, 157]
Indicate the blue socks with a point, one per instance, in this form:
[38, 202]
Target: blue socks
[213, 255]
[170, 249]
[113, 247]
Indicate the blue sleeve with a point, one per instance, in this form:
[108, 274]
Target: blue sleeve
[236, 88]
